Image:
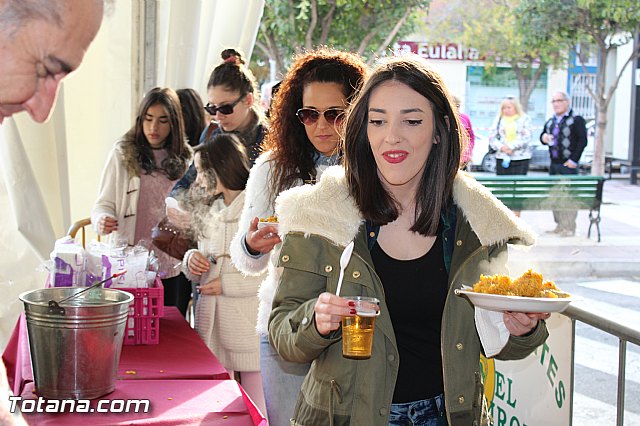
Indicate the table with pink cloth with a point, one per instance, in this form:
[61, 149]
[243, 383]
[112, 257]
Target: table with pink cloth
[182, 378]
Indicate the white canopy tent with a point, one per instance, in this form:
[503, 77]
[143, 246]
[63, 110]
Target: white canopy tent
[50, 172]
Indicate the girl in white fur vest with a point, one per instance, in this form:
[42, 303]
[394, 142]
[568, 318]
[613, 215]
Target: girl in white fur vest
[226, 311]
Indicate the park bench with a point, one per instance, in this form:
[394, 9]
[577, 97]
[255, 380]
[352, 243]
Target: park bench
[557, 192]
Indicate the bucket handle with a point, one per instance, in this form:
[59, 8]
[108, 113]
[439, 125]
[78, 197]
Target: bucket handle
[56, 309]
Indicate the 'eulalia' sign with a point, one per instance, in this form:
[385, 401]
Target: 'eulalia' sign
[447, 52]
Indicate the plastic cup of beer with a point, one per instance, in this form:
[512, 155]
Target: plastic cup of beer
[357, 331]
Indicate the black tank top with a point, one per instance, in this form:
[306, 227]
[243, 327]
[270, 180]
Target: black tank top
[415, 292]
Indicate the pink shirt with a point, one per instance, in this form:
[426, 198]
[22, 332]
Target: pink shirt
[465, 157]
[154, 188]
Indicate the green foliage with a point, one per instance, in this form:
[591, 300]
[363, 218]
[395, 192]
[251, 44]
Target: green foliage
[600, 24]
[500, 36]
[361, 26]
[608, 23]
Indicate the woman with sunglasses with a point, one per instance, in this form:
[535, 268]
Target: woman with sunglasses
[233, 102]
[300, 144]
[233, 94]
[139, 171]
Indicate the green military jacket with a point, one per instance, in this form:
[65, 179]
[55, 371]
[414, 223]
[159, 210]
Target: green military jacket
[317, 223]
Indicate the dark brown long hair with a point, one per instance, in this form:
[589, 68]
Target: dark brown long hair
[227, 157]
[178, 152]
[376, 204]
[193, 115]
[292, 151]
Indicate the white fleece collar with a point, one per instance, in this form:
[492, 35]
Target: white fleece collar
[328, 210]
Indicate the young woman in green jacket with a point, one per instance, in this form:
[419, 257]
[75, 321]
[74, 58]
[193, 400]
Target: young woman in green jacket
[421, 228]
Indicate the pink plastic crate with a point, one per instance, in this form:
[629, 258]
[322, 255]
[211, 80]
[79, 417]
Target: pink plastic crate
[143, 324]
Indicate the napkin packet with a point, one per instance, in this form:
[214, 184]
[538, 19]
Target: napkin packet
[71, 265]
[104, 260]
[67, 263]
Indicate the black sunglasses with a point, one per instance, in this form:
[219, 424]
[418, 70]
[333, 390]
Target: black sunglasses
[225, 109]
[309, 116]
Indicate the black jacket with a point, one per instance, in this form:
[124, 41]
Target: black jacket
[572, 138]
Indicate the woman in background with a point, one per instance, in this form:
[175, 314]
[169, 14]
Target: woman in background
[511, 138]
[225, 315]
[193, 115]
[234, 105]
[141, 168]
[301, 143]
[466, 158]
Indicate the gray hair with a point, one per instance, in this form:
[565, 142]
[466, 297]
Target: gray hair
[15, 13]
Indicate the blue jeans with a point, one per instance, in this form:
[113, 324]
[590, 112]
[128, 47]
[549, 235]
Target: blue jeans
[428, 412]
[281, 381]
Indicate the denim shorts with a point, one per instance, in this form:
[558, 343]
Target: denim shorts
[427, 412]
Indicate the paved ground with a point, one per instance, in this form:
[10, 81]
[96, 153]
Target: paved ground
[617, 255]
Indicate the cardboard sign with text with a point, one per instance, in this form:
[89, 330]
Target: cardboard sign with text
[537, 389]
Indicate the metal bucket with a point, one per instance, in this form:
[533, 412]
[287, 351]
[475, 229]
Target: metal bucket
[75, 354]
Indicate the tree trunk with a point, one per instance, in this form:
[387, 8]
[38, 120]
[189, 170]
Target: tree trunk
[308, 39]
[597, 166]
[385, 44]
[326, 24]
[526, 82]
[275, 54]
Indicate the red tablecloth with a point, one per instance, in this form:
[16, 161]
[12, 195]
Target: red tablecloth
[182, 378]
[181, 354]
[17, 359]
[171, 402]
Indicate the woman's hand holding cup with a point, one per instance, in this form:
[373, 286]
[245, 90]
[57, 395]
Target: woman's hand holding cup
[261, 240]
[329, 310]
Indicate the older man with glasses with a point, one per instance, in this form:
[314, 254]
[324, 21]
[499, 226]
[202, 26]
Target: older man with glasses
[566, 136]
[41, 41]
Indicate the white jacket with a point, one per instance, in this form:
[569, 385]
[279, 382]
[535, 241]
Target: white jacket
[227, 322]
[118, 195]
[259, 204]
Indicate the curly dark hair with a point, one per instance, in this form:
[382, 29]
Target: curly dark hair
[292, 151]
[376, 204]
[178, 152]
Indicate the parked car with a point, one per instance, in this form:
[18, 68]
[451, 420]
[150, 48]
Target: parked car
[481, 157]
